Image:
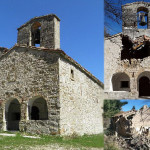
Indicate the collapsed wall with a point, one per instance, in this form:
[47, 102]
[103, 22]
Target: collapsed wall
[133, 122]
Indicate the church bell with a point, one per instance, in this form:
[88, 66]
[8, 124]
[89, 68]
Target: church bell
[37, 36]
[142, 19]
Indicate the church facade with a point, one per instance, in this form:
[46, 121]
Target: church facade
[43, 90]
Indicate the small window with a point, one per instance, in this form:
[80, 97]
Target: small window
[72, 74]
[124, 84]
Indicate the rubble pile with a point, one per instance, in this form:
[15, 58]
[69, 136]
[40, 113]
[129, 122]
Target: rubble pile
[132, 129]
[133, 122]
[139, 142]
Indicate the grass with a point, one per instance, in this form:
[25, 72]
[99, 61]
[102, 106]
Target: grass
[95, 141]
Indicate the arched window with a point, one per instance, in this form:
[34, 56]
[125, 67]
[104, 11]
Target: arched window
[37, 109]
[35, 34]
[142, 18]
[121, 82]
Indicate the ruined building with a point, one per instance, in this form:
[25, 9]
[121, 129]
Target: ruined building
[127, 55]
[43, 90]
[133, 122]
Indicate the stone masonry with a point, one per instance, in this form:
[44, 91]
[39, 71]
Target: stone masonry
[131, 123]
[127, 55]
[43, 90]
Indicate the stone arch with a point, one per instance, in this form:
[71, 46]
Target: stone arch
[142, 9]
[143, 82]
[12, 114]
[35, 34]
[37, 109]
[120, 82]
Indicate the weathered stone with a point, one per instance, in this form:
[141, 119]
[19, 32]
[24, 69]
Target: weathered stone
[38, 80]
[132, 123]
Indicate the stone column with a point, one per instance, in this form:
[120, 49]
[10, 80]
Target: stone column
[4, 128]
[133, 87]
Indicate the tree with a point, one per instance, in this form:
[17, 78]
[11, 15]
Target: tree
[111, 107]
[113, 15]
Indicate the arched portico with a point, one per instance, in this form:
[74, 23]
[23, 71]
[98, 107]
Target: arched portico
[37, 109]
[120, 82]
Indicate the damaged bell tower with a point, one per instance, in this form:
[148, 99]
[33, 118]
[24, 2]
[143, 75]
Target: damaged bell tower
[127, 55]
[136, 31]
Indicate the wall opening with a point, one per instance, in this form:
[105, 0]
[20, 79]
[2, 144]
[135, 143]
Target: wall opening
[144, 86]
[121, 82]
[37, 109]
[138, 49]
[35, 34]
[72, 74]
[12, 114]
[34, 113]
[142, 18]
[124, 84]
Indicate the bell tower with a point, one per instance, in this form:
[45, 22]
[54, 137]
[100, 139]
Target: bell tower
[136, 19]
[43, 31]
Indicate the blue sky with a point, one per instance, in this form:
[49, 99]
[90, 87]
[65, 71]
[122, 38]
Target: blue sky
[137, 103]
[81, 27]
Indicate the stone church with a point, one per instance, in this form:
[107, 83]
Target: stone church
[127, 55]
[43, 90]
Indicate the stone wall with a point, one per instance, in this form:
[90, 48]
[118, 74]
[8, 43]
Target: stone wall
[134, 69]
[131, 123]
[114, 65]
[81, 100]
[28, 73]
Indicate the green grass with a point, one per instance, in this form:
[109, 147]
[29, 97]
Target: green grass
[95, 141]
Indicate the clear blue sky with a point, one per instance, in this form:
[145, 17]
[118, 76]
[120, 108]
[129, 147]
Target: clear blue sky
[81, 27]
[137, 103]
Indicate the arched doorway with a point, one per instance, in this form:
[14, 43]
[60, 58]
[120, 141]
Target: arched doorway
[37, 109]
[12, 113]
[144, 86]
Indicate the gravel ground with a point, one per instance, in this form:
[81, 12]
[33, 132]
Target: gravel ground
[60, 147]
[49, 147]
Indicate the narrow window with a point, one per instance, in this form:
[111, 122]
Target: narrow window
[72, 74]
[124, 84]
